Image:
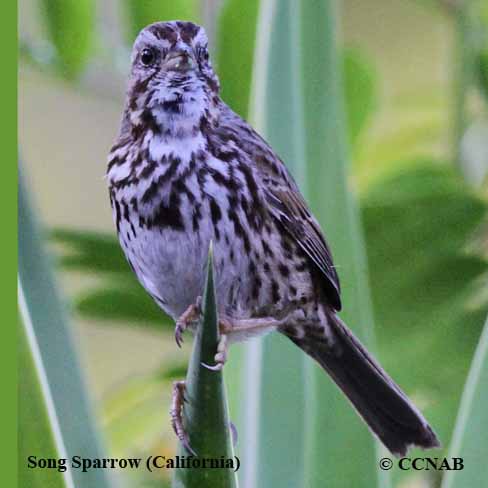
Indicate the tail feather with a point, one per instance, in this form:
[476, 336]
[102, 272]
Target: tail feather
[377, 398]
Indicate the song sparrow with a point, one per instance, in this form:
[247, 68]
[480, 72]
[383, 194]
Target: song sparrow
[185, 171]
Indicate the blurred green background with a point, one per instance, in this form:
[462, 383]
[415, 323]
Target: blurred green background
[415, 81]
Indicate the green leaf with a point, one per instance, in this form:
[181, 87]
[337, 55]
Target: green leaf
[206, 418]
[125, 304]
[135, 409]
[235, 52]
[134, 412]
[418, 223]
[469, 438]
[174, 373]
[360, 91]
[70, 26]
[335, 433]
[121, 298]
[35, 431]
[42, 312]
[482, 62]
[94, 252]
[415, 134]
[140, 13]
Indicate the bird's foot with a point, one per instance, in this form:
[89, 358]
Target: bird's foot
[228, 326]
[176, 414]
[220, 356]
[191, 314]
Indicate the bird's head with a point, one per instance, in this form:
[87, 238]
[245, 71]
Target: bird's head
[172, 83]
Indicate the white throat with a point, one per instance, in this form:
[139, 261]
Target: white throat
[185, 121]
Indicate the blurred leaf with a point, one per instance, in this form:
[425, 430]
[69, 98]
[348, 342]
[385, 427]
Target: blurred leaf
[91, 251]
[411, 130]
[121, 298]
[474, 152]
[135, 412]
[205, 414]
[35, 431]
[417, 224]
[70, 26]
[236, 40]
[55, 356]
[483, 72]
[422, 179]
[433, 4]
[360, 91]
[154, 483]
[132, 305]
[176, 372]
[480, 37]
[140, 13]
[479, 243]
[471, 42]
[336, 433]
[469, 437]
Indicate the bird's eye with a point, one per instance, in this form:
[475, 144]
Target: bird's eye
[148, 56]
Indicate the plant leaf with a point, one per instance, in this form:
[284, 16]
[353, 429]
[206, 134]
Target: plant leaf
[206, 418]
[35, 436]
[43, 314]
[482, 62]
[129, 305]
[94, 252]
[134, 413]
[121, 298]
[469, 437]
[360, 91]
[335, 433]
[417, 224]
[235, 54]
[70, 26]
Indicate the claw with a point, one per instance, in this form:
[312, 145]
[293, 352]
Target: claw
[220, 356]
[215, 367]
[186, 444]
[179, 329]
[176, 414]
[186, 318]
[179, 334]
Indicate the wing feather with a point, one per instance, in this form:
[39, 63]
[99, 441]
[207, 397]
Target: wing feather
[290, 209]
[286, 204]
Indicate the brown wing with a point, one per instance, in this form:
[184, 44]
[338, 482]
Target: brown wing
[290, 209]
[285, 201]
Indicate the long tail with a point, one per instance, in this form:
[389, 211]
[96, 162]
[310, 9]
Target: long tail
[377, 398]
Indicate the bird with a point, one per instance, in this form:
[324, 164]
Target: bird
[186, 171]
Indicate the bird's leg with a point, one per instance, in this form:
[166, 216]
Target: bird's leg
[191, 314]
[220, 356]
[231, 326]
[176, 414]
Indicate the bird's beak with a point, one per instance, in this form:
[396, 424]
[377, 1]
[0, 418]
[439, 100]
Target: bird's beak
[180, 60]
